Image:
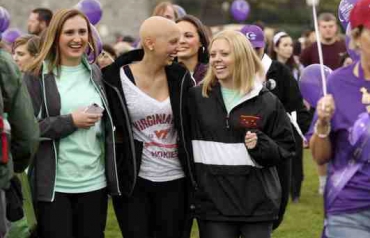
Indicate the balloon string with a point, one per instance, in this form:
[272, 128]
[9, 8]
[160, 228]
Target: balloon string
[318, 41]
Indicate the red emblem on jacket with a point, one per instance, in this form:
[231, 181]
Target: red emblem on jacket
[249, 121]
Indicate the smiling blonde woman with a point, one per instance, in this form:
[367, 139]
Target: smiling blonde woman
[240, 133]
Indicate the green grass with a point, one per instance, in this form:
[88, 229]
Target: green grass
[302, 220]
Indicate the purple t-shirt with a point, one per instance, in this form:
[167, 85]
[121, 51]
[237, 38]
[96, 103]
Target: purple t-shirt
[345, 88]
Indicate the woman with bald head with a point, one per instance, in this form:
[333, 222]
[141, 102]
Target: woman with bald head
[147, 92]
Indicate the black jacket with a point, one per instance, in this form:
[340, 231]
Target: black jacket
[282, 83]
[232, 185]
[287, 90]
[129, 151]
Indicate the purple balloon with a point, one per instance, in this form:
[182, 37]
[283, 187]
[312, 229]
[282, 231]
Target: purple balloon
[99, 44]
[92, 9]
[344, 10]
[355, 56]
[4, 19]
[10, 35]
[240, 10]
[360, 127]
[310, 83]
[180, 11]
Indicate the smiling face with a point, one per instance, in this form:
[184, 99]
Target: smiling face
[284, 49]
[166, 47]
[73, 41]
[222, 60]
[189, 41]
[21, 56]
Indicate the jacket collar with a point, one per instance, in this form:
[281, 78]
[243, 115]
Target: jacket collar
[256, 90]
[266, 62]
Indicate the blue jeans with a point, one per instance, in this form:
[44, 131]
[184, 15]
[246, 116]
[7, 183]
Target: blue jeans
[356, 225]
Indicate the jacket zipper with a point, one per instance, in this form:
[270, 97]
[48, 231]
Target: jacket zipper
[54, 146]
[183, 135]
[129, 133]
[228, 114]
[112, 127]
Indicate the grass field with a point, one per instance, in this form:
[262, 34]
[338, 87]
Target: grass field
[302, 220]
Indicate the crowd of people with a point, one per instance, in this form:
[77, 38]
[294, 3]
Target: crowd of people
[181, 124]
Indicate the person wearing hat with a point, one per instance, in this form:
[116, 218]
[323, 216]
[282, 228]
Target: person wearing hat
[280, 81]
[340, 134]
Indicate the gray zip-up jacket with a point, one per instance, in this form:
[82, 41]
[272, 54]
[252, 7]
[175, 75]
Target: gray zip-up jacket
[53, 126]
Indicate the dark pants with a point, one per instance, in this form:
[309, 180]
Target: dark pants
[297, 168]
[214, 229]
[155, 209]
[81, 215]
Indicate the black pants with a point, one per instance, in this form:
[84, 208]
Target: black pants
[297, 168]
[81, 215]
[154, 210]
[214, 229]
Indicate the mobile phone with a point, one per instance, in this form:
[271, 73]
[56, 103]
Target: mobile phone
[94, 109]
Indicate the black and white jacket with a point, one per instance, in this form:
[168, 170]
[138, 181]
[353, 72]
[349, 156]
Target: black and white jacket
[234, 183]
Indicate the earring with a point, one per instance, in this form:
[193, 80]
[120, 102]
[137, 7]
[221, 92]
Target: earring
[203, 49]
[91, 47]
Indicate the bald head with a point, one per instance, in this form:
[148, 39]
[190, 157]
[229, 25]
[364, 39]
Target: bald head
[157, 27]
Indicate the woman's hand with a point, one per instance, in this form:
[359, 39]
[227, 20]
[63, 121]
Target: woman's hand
[85, 120]
[325, 109]
[250, 140]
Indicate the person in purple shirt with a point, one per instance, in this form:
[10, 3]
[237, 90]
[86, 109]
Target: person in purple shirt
[334, 141]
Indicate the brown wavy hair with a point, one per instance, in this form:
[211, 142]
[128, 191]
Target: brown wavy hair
[50, 47]
[32, 43]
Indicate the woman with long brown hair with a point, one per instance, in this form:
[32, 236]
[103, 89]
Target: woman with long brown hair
[75, 164]
[193, 46]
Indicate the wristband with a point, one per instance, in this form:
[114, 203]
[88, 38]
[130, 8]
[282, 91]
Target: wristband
[326, 134]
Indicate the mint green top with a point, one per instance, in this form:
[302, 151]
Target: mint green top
[231, 98]
[80, 165]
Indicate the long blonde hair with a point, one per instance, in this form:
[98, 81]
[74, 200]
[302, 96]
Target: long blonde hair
[50, 47]
[247, 64]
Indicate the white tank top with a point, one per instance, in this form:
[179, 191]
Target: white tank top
[153, 124]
